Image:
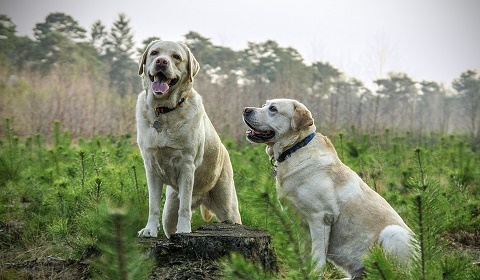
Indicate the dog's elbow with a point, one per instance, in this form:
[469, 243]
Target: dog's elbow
[328, 219]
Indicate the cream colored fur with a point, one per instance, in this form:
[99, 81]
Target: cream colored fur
[345, 216]
[184, 151]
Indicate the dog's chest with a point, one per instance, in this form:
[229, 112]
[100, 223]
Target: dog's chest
[301, 183]
[295, 194]
[286, 181]
[172, 143]
[157, 126]
[157, 137]
[158, 133]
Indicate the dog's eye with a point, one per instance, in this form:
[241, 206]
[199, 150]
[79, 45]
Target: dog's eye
[272, 108]
[153, 52]
[177, 57]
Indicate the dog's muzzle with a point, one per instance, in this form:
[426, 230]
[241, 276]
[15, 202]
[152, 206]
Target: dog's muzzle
[161, 84]
[161, 80]
[254, 134]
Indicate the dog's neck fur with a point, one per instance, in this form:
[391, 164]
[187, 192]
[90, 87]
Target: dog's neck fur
[164, 109]
[171, 101]
[274, 150]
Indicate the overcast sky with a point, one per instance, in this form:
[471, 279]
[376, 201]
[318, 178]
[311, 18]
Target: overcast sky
[433, 40]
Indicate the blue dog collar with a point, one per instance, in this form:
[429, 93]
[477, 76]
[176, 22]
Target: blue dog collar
[288, 153]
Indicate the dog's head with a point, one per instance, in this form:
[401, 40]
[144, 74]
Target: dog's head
[279, 120]
[167, 67]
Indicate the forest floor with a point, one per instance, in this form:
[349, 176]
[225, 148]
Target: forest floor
[173, 262]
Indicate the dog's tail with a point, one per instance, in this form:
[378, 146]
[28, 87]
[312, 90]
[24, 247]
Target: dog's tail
[398, 241]
[206, 214]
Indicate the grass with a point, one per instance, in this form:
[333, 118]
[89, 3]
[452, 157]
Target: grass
[55, 196]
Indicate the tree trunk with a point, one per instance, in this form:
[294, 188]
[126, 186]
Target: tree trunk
[183, 253]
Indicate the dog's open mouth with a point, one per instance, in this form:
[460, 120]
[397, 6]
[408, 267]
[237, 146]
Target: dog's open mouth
[161, 84]
[256, 135]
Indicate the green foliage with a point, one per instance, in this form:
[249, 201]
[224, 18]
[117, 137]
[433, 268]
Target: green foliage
[120, 256]
[468, 86]
[10, 157]
[429, 215]
[51, 187]
[56, 189]
[60, 23]
[65, 195]
[118, 56]
[378, 265]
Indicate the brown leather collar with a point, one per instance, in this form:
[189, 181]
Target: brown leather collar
[164, 110]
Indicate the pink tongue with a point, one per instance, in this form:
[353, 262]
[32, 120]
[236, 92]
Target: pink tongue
[158, 86]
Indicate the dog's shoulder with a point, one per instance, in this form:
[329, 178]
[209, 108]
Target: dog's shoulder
[321, 152]
[141, 109]
[328, 162]
[141, 101]
[195, 103]
[327, 144]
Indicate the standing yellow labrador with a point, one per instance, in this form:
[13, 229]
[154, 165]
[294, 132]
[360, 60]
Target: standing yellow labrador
[179, 146]
[344, 215]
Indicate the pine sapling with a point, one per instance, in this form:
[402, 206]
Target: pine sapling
[120, 256]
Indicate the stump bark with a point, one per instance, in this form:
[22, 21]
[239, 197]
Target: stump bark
[181, 254]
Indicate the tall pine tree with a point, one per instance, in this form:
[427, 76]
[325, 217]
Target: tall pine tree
[119, 53]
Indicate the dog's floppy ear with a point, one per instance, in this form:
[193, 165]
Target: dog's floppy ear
[143, 58]
[301, 117]
[192, 66]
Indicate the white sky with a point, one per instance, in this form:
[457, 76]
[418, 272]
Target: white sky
[433, 40]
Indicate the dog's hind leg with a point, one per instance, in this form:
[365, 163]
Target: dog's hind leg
[206, 214]
[224, 209]
[222, 198]
[222, 201]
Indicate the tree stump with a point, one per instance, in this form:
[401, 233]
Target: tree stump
[207, 244]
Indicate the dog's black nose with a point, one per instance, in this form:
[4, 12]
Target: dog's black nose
[161, 61]
[247, 110]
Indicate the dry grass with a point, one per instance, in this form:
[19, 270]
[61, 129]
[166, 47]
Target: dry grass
[85, 105]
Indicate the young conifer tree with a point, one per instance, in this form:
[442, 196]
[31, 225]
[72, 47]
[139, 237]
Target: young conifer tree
[120, 256]
[428, 207]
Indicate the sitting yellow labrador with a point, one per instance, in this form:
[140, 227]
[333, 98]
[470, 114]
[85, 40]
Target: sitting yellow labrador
[345, 217]
[179, 146]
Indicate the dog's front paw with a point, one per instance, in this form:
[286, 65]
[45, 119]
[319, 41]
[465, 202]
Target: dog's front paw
[184, 226]
[148, 232]
[184, 231]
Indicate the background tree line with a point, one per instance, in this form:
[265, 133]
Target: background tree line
[88, 80]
